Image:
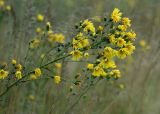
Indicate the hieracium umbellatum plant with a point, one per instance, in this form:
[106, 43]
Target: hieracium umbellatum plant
[98, 43]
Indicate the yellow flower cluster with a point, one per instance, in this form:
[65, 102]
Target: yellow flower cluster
[118, 43]
[79, 42]
[4, 6]
[56, 37]
[104, 41]
[18, 68]
[37, 73]
[88, 27]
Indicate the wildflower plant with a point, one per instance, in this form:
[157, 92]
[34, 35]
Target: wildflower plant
[98, 43]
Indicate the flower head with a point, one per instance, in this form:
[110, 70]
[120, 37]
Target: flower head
[37, 72]
[57, 79]
[76, 54]
[18, 74]
[40, 17]
[116, 15]
[3, 74]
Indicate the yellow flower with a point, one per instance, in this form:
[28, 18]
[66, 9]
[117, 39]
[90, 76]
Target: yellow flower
[38, 30]
[14, 62]
[58, 65]
[98, 71]
[19, 67]
[107, 63]
[130, 47]
[116, 15]
[86, 55]
[76, 44]
[142, 43]
[56, 38]
[88, 26]
[122, 27]
[131, 35]
[1, 3]
[37, 72]
[121, 86]
[120, 42]
[40, 17]
[35, 43]
[90, 66]
[126, 21]
[8, 8]
[18, 74]
[3, 74]
[42, 56]
[76, 54]
[57, 79]
[112, 39]
[122, 53]
[115, 73]
[84, 42]
[33, 77]
[100, 28]
[48, 25]
[31, 97]
[109, 52]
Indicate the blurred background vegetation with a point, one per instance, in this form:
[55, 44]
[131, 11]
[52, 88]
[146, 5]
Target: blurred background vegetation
[137, 92]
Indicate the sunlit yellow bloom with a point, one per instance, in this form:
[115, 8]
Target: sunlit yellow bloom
[3, 74]
[33, 77]
[42, 56]
[130, 47]
[116, 15]
[112, 39]
[58, 65]
[18, 74]
[1, 3]
[14, 62]
[35, 43]
[98, 71]
[56, 38]
[88, 26]
[120, 42]
[131, 35]
[37, 72]
[48, 25]
[121, 86]
[86, 55]
[109, 52]
[142, 43]
[38, 30]
[122, 53]
[90, 66]
[122, 27]
[84, 42]
[115, 73]
[76, 44]
[107, 63]
[100, 28]
[126, 21]
[40, 17]
[31, 97]
[57, 79]
[8, 8]
[19, 67]
[97, 18]
[76, 54]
